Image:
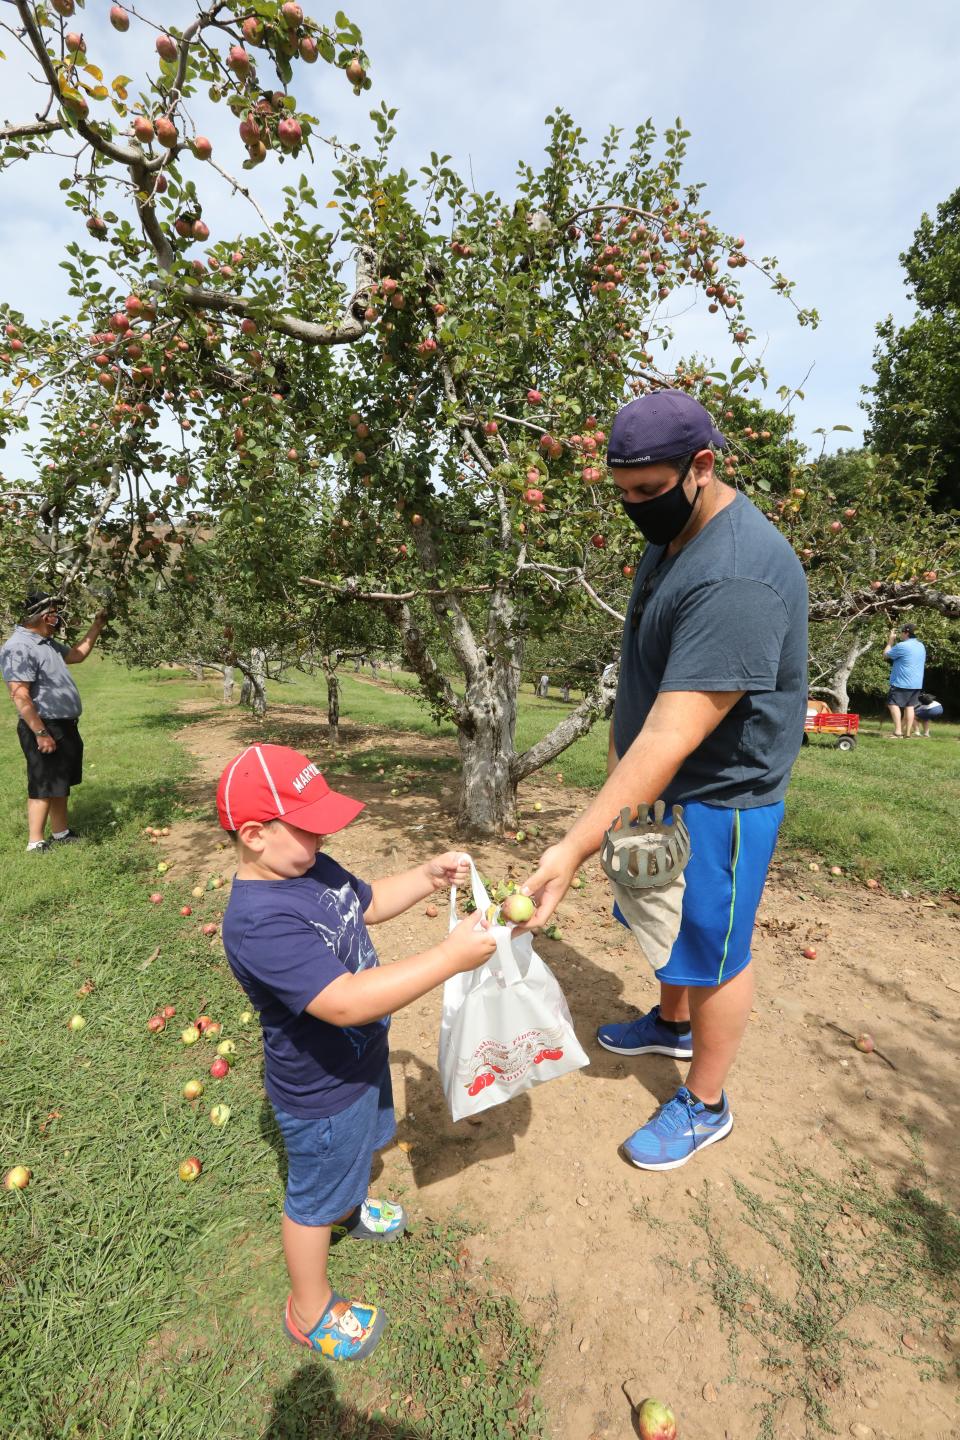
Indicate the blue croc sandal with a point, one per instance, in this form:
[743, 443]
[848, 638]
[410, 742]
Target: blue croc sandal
[372, 1220]
[347, 1329]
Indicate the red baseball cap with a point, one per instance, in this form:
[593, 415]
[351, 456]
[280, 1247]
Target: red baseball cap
[273, 782]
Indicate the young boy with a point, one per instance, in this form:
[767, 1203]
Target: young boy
[295, 933]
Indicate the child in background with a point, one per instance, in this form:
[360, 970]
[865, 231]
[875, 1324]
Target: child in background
[295, 933]
[927, 709]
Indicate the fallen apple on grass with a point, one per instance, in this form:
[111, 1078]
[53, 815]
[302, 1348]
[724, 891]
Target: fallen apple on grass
[246, 1017]
[219, 1115]
[155, 1024]
[227, 1047]
[190, 1168]
[190, 1035]
[198, 892]
[209, 929]
[76, 1022]
[219, 1068]
[17, 1178]
[156, 898]
[186, 909]
[193, 1090]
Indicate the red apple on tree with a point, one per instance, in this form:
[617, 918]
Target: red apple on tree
[534, 397]
[167, 47]
[119, 18]
[166, 132]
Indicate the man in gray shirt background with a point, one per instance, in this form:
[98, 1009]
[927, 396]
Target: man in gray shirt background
[709, 715]
[34, 665]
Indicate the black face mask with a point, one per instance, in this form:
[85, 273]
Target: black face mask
[662, 519]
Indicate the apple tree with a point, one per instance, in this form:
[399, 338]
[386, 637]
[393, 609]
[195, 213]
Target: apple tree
[440, 363]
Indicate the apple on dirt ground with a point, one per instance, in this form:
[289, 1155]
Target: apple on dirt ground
[656, 1421]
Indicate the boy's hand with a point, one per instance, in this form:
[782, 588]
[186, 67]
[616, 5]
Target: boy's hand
[471, 943]
[450, 868]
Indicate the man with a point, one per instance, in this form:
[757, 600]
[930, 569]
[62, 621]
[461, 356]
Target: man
[34, 666]
[908, 659]
[709, 715]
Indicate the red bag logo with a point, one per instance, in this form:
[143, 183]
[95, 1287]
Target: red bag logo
[493, 1060]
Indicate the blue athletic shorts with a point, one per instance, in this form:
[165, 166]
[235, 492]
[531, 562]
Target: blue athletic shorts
[329, 1158]
[730, 853]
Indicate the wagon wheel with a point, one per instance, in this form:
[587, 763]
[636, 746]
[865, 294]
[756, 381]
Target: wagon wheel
[846, 742]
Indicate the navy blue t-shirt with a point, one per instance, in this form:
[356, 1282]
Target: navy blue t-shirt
[727, 612]
[285, 941]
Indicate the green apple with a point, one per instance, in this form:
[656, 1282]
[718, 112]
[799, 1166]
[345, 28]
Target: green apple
[190, 1036]
[517, 909]
[76, 1022]
[219, 1115]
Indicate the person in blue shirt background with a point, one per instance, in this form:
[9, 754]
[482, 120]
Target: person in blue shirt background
[908, 656]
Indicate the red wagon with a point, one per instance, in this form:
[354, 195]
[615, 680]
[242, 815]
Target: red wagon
[844, 727]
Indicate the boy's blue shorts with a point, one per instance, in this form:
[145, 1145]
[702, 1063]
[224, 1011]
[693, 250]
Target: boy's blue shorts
[730, 853]
[329, 1158]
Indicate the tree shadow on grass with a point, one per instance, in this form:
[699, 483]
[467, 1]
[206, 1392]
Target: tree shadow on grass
[307, 1408]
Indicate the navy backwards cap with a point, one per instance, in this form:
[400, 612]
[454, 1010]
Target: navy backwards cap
[660, 426]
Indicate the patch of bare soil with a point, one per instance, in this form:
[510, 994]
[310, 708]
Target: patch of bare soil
[614, 1265]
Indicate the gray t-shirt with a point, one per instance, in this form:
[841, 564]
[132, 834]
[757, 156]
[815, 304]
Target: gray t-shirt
[43, 664]
[727, 612]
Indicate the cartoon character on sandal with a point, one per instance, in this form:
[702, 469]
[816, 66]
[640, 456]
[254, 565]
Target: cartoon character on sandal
[347, 1329]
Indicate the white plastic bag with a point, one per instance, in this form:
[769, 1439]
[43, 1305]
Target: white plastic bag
[504, 1027]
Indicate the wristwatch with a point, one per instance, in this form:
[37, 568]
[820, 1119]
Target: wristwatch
[45, 732]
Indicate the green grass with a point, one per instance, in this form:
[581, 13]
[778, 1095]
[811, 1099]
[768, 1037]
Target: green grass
[887, 810]
[136, 1307]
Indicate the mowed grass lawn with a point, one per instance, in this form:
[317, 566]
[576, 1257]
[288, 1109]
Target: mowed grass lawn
[137, 1307]
[886, 809]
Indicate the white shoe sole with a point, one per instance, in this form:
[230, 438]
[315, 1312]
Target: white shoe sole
[647, 1050]
[711, 1139]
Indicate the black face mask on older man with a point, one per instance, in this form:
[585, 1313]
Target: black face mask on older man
[663, 518]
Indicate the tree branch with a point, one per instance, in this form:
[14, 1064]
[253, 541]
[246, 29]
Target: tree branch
[347, 590]
[29, 130]
[348, 328]
[889, 598]
[595, 706]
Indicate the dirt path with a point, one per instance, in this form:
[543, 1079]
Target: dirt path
[613, 1264]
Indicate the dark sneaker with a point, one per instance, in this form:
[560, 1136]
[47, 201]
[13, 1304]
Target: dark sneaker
[647, 1035]
[676, 1132]
[67, 839]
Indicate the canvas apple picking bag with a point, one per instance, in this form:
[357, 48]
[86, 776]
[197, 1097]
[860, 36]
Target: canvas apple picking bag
[644, 860]
[505, 1027]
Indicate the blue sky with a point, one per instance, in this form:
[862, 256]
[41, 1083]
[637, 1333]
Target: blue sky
[822, 131]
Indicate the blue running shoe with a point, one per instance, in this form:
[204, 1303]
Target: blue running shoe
[676, 1133]
[646, 1036]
